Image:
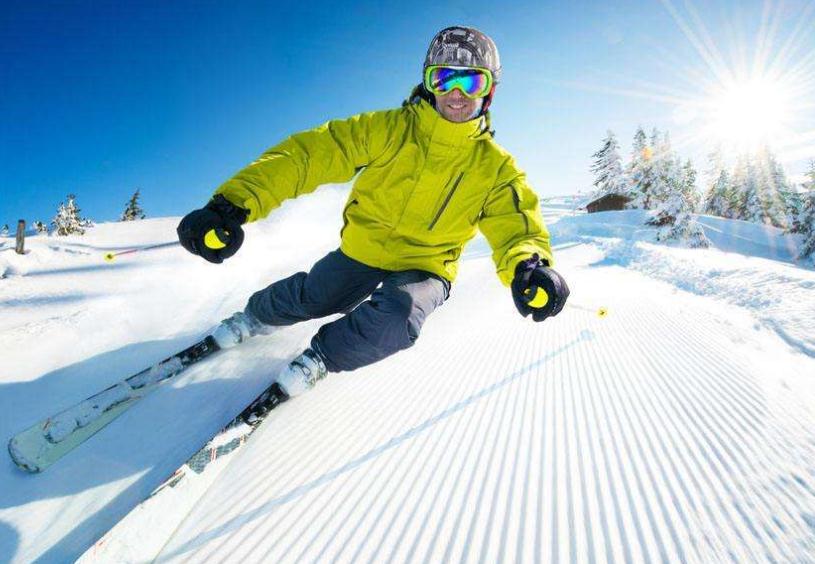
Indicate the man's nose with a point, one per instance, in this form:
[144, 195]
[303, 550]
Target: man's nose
[456, 94]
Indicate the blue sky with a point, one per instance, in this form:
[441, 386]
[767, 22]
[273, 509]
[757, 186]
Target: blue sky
[101, 98]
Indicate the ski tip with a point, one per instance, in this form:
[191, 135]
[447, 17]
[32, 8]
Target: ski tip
[19, 460]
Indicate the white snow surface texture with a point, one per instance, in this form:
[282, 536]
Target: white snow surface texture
[680, 427]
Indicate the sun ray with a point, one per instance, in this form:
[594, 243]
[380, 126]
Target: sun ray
[770, 20]
[804, 23]
[711, 57]
[751, 88]
[627, 92]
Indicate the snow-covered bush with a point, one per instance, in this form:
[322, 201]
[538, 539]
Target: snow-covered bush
[40, 227]
[133, 210]
[68, 219]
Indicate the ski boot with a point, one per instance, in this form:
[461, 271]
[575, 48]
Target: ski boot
[302, 373]
[237, 328]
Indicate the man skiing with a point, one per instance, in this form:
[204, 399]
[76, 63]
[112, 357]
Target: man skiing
[431, 176]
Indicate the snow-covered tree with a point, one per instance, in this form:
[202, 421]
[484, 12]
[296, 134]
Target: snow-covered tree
[807, 219]
[794, 202]
[752, 208]
[742, 182]
[40, 227]
[68, 219]
[607, 168]
[640, 171]
[793, 206]
[674, 214]
[717, 200]
[667, 171]
[688, 175]
[718, 180]
[772, 183]
[133, 210]
[4, 231]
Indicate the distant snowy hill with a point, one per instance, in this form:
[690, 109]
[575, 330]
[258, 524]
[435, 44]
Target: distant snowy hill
[679, 427]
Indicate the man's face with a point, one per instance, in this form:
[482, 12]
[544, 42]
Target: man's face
[455, 106]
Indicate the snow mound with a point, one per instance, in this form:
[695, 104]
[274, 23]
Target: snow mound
[750, 266]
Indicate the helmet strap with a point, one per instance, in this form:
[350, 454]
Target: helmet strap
[487, 100]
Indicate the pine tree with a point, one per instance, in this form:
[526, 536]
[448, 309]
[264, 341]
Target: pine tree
[666, 170]
[68, 219]
[779, 185]
[607, 168]
[742, 183]
[133, 210]
[717, 199]
[752, 208]
[795, 203]
[771, 183]
[640, 171]
[717, 180]
[689, 186]
[807, 218]
[4, 232]
[674, 214]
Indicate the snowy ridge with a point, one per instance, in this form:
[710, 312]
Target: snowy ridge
[677, 428]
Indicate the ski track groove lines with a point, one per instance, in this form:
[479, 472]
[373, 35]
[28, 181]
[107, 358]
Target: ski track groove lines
[526, 443]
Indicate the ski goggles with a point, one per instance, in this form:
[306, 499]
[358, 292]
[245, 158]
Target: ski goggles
[472, 82]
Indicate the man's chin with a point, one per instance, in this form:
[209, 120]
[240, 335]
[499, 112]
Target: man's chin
[458, 118]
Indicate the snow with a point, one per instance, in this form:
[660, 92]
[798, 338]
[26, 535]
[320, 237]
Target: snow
[677, 427]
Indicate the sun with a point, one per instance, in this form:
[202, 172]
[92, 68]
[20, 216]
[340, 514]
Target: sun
[745, 114]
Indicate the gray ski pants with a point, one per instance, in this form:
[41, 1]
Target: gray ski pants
[370, 330]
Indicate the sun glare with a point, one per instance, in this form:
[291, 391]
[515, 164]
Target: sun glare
[748, 89]
[749, 113]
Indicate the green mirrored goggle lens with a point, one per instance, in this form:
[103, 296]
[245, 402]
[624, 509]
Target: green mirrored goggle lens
[472, 82]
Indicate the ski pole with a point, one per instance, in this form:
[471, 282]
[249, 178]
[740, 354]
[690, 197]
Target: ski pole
[539, 299]
[214, 239]
[601, 311]
[110, 257]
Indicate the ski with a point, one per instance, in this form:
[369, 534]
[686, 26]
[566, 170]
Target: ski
[45, 442]
[232, 436]
[179, 492]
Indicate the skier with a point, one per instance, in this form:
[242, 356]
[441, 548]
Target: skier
[431, 176]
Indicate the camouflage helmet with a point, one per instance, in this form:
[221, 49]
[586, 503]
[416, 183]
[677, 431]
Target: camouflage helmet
[464, 47]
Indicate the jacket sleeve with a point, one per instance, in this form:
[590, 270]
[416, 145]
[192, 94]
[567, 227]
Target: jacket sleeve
[330, 153]
[512, 223]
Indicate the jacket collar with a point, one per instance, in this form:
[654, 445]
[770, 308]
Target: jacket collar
[440, 130]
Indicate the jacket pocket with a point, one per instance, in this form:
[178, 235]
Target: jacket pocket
[446, 201]
[345, 215]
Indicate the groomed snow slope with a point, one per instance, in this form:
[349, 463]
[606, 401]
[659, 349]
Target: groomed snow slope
[680, 427]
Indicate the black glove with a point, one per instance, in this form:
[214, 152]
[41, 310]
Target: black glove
[531, 276]
[223, 219]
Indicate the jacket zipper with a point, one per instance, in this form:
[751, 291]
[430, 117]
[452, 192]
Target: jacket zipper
[446, 201]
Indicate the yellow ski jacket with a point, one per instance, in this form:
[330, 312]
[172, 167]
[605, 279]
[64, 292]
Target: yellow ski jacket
[427, 185]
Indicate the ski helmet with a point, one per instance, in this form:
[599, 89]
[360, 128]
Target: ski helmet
[465, 47]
